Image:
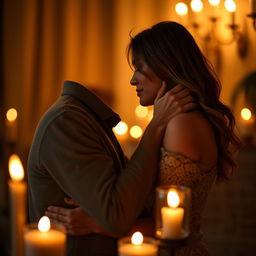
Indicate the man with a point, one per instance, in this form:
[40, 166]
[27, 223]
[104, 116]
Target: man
[75, 154]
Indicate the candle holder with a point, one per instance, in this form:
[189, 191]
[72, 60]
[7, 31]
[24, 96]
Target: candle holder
[172, 217]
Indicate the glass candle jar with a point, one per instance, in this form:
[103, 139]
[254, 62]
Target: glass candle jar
[172, 212]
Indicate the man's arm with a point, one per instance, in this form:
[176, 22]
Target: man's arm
[74, 154]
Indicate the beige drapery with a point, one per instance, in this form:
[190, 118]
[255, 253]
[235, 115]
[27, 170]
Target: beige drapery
[48, 41]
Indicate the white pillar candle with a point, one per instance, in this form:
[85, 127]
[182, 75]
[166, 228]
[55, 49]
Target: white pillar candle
[17, 189]
[172, 217]
[44, 241]
[136, 247]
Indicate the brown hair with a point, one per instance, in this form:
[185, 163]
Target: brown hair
[172, 53]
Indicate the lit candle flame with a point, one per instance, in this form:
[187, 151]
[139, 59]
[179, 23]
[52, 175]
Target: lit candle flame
[230, 5]
[121, 128]
[181, 9]
[246, 114]
[214, 2]
[15, 168]
[173, 199]
[11, 115]
[137, 238]
[136, 132]
[44, 224]
[196, 5]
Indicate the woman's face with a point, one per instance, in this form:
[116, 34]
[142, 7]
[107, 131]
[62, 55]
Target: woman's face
[146, 81]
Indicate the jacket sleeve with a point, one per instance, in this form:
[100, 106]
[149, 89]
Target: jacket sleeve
[73, 152]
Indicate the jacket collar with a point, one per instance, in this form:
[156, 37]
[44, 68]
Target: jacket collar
[91, 101]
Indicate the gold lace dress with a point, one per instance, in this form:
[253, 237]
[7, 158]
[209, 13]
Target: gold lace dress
[177, 169]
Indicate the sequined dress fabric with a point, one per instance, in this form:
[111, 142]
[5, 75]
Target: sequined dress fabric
[177, 169]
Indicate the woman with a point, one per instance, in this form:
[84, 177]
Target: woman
[198, 145]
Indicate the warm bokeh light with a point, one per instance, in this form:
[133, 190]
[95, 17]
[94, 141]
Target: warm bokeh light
[136, 132]
[246, 114]
[181, 9]
[214, 2]
[173, 199]
[137, 238]
[15, 168]
[121, 128]
[11, 114]
[141, 111]
[230, 5]
[196, 5]
[44, 224]
[150, 114]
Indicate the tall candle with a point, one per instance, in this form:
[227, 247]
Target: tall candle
[230, 6]
[172, 217]
[44, 241]
[135, 246]
[17, 190]
[246, 124]
[11, 125]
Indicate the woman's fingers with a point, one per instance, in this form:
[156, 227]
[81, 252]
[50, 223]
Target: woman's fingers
[56, 216]
[161, 91]
[58, 210]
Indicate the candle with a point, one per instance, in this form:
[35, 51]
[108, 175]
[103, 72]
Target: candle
[17, 190]
[11, 125]
[135, 246]
[230, 5]
[246, 124]
[253, 6]
[120, 131]
[44, 241]
[172, 217]
[214, 6]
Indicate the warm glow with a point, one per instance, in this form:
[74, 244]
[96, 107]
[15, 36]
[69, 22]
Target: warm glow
[246, 114]
[173, 199]
[121, 128]
[15, 168]
[44, 224]
[230, 5]
[136, 131]
[141, 111]
[181, 9]
[11, 114]
[214, 2]
[196, 5]
[150, 115]
[137, 238]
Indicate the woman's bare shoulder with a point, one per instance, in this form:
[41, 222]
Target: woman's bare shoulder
[185, 134]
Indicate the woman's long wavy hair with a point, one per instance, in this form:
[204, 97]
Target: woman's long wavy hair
[172, 53]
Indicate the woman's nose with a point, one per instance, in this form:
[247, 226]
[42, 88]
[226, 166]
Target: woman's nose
[133, 81]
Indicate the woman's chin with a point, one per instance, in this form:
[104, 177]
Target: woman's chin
[145, 103]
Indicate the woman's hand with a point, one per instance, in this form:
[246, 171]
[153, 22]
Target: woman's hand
[76, 221]
[175, 101]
